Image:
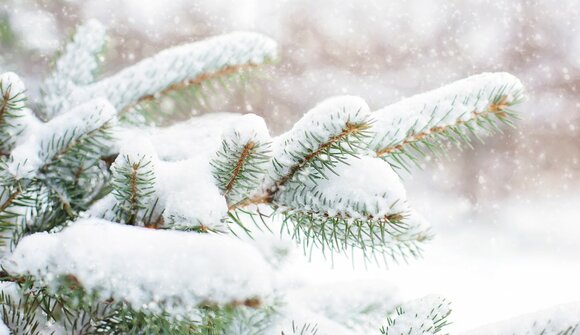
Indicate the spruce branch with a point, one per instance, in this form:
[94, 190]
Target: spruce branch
[176, 101]
[239, 167]
[12, 100]
[320, 162]
[180, 67]
[74, 165]
[18, 201]
[63, 143]
[389, 236]
[306, 154]
[20, 315]
[75, 147]
[456, 113]
[133, 187]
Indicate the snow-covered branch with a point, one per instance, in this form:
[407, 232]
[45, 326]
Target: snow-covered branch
[362, 207]
[240, 164]
[423, 123]
[84, 130]
[179, 67]
[325, 136]
[12, 98]
[76, 66]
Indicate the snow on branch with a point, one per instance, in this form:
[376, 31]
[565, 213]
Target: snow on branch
[76, 66]
[428, 315]
[423, 123]
[181, 66]
[331, 198]
[325, 136]
[12, 98]
[560, 320]
[362, 207]
[170, 271]
[83, 131]
[241, 162]
[133, 187]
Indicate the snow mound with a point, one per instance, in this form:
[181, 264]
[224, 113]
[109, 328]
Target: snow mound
[169, 270]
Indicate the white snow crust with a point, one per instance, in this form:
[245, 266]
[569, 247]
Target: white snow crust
[151, 269]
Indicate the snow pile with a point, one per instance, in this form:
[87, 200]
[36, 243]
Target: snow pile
[190, 197]
[445, 106]
[562, 319]
[326, 120]
[419, 317]
[180, 64]
[75, 66]
[45, 142]
[135, 148]
[197, 137]
[153, 270]
[248, 128]
[181, 155]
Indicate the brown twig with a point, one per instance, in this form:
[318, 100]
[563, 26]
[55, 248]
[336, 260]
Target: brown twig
[9, 201]
[268, 196]
[4, 106]
[239, 165]
[134, 189]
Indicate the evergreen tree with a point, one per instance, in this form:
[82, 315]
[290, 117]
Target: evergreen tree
[112, 224]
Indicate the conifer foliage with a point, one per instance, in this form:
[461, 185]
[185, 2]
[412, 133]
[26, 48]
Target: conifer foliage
[111, 225]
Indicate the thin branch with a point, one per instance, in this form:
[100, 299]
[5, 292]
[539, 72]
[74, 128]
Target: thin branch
[350, 129]
[268, 196]
[239, 165]
[133, 199]
[9, 201]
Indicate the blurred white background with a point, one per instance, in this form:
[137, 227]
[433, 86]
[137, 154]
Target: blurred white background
[506, 214]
